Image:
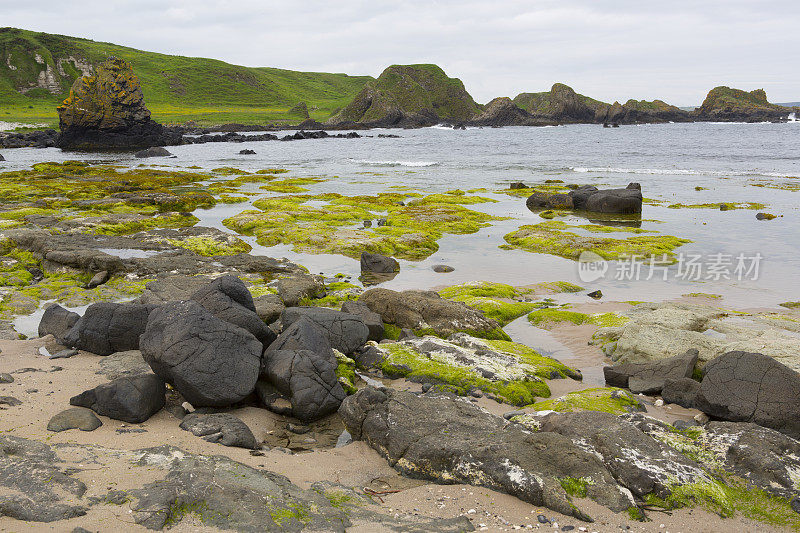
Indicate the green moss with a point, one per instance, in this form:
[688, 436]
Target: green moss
[576, 487]
[336, 228]
[402, 361]
[173, 220]
[338, 499]
[728, 498]
[605, 399]
[790, 305]
[346, 372]
[450, 198]
[635, 513]
[210, 247]
[722, 206]
[492, 299]
[294, 514]
[546, 318]
[703, 295]
[229, 199]
[552, 238]
[180, 509]
[390, 331]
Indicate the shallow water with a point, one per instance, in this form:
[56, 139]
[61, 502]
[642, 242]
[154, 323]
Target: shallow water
[669, 160]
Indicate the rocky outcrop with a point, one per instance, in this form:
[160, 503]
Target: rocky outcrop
[427, 311]
[561, 104]
[211, 362]
[435, 437]
[724, 104]
[106, 111]
[640, 111]
[751, 387]
[409, 96]
[502, 111]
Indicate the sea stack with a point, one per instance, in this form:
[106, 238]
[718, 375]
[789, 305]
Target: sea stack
[106, 111]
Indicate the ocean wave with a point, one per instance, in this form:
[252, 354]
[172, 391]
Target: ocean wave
[395, 163]
[676, 171]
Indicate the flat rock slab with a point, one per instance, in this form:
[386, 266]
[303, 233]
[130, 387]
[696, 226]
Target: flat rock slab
[74, 418]
[450, 440]
[223, 428]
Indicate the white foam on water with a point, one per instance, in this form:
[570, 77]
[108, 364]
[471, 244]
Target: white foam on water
[674, 171]
[396, 163]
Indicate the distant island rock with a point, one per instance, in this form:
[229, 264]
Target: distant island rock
[409, 96]
[106, 111]
[724, 104]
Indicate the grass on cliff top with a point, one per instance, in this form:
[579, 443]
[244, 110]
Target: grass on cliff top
[176, 88]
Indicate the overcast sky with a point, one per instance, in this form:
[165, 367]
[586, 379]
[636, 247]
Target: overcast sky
[612, 50]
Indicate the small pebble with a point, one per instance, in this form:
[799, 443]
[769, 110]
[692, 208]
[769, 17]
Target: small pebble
[659, 402]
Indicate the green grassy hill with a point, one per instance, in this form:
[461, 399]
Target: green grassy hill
[422, 90]
[37, 70]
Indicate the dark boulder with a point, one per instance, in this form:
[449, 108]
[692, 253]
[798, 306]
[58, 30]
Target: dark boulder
[627, 201]
[442, 269]
[371, 319]
[681, 391]
[130, 399]
[57, 321]
[307, 379]
[302, 334]
[247, 152]
[346, 332]
[751, 387]
[294, 289]
[2, 158]
[107, 327]
[156, 151]
[228, 298]
[211, 362]
[649, 378]
[223, 428]
[378, 263]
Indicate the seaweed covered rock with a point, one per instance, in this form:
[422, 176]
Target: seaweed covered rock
[108, 327]
[511, 372]
[428, 312]
[751, 387]
[106, 111]
[211, 362]
[435, 437]
[228, 298]
[130, 399]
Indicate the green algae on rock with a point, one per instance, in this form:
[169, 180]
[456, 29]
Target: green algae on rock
[512, 372]
[410, 232]
[722, 206]
[501, 301]
[606, 399]
[546, 318]
[210, 246]
[552, 237]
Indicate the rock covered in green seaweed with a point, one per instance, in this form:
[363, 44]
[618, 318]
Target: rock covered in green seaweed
[605, 399]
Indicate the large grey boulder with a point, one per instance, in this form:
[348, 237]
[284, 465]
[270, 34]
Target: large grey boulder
[228, 298]
[649, 378]
[130, 399]
[427, 310]
[57, 321]
[751, 387]
[370, 318]
[627, 201]
[223, 428]
[307, 379]
[346, 332]
[209, 361]
[269, 307]
[450, 440]
[107, 327]
[294, 289]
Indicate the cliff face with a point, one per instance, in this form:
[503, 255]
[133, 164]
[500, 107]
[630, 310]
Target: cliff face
[503, 112]
[106, 111]
[410, 95]
[640, 111]
[735, 105]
